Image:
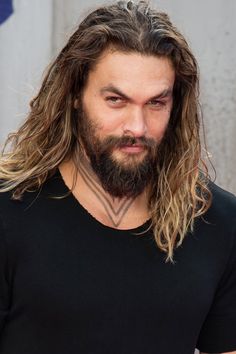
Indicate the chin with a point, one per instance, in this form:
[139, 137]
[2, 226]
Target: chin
[128, 159]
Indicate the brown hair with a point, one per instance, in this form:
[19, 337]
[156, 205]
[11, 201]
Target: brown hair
[49, 134]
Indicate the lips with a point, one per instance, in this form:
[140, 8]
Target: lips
[134, 148]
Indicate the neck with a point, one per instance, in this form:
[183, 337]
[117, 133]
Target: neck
[111, 211]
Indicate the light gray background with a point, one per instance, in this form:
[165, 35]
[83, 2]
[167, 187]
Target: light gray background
[38, 28]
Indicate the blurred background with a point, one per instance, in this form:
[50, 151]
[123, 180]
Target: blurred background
[33, 31]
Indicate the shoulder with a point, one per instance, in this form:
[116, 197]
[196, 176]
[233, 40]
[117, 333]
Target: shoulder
[222, 195]
[52, 187]
[223, 207]
[14, 213]
[216, 229]
[214, 232]
[35, 207]
[10, 205]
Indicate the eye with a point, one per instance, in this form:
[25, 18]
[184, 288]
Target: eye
[157, 103]
[114, 99]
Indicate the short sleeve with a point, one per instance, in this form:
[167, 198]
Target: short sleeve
[218, 333]
[4, 294]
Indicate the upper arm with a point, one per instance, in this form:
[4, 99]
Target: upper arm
[217, 335]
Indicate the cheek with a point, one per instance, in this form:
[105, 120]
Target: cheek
[108, 121]
[158, 126]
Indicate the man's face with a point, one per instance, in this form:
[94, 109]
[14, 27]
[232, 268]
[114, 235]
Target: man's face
[124, 113]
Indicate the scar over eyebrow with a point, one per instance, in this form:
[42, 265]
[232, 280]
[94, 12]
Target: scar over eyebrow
[111, 88]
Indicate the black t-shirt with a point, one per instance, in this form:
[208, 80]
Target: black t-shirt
[70, 285]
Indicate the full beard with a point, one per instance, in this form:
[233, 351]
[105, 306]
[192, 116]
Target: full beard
[126, 177]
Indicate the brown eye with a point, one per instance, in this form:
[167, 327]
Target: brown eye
[157, 103]
[114, 99]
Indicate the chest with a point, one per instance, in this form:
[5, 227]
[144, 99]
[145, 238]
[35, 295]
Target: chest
[81, 274]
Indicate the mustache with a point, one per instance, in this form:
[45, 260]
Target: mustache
[117, 142]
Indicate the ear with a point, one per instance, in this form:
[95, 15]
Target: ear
[76, 103]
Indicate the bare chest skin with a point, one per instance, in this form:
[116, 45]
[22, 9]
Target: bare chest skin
[125, 213]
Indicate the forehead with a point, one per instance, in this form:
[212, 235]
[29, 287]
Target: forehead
[132, 71]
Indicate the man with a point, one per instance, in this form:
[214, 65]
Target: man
[113, 239]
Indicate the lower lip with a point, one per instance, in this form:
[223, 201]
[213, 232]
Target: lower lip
[132, 149]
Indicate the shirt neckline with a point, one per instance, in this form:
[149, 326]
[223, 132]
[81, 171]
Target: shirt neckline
[68, 193]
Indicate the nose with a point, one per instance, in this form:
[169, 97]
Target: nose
[135, 123]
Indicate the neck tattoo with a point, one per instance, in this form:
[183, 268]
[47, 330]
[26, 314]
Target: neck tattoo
[114, 211]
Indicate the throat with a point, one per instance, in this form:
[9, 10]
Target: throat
[110, 210]
[119, 213]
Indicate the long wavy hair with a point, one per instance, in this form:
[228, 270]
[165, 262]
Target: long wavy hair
[50, 133]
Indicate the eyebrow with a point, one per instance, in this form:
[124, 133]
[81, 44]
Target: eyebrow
[111, 88]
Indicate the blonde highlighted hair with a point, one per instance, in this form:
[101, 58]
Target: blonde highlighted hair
[50, 133]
